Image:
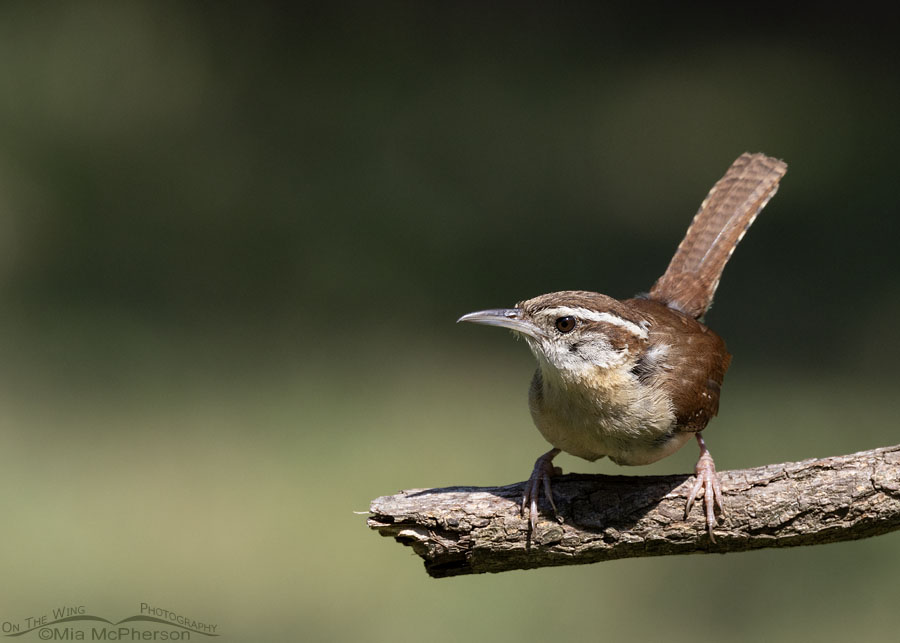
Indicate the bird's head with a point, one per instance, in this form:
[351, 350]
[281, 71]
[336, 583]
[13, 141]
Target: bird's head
[572, 331]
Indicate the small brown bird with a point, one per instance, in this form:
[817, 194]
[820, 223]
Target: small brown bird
[634, 380]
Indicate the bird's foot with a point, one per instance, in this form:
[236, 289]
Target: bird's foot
[708, 482]
[540, 476]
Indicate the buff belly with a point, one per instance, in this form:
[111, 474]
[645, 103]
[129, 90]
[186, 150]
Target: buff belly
[615, 419]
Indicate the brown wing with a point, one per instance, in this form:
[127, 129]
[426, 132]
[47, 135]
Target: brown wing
[731, 206]
[687, 359]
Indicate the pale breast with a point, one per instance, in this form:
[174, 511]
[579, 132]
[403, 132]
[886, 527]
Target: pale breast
[610, 414]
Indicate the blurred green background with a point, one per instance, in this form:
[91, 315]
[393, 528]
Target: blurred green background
[234, 241]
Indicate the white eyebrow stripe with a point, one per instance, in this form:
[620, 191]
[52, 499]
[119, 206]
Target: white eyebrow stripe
[595, 316]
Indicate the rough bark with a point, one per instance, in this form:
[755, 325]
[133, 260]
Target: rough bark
[471, 530]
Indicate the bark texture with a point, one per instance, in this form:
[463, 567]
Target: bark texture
[471, 530]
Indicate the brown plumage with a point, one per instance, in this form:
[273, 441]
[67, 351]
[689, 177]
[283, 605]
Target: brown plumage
[731, 206]
[634, 380]
[695, 365]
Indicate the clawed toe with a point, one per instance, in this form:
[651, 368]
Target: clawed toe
[707, 481]
[540, 477]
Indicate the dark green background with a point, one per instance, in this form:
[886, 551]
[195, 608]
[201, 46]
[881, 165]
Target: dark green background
[234, 241]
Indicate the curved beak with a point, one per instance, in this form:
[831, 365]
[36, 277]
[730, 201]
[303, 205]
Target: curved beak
[511, 318]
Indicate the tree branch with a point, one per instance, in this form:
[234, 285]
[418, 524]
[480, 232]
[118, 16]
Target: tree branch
[471, 530]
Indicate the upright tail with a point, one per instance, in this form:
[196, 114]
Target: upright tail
[692, 277]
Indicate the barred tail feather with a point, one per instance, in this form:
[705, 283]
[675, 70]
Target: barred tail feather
[731, 206]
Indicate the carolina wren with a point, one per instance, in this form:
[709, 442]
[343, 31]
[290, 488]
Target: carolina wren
[634, 380]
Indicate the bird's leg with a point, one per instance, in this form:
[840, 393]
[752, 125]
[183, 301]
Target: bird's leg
[707, 481]
[543, 470]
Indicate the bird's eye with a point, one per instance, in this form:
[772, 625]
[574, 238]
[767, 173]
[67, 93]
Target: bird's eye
[565, 324]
